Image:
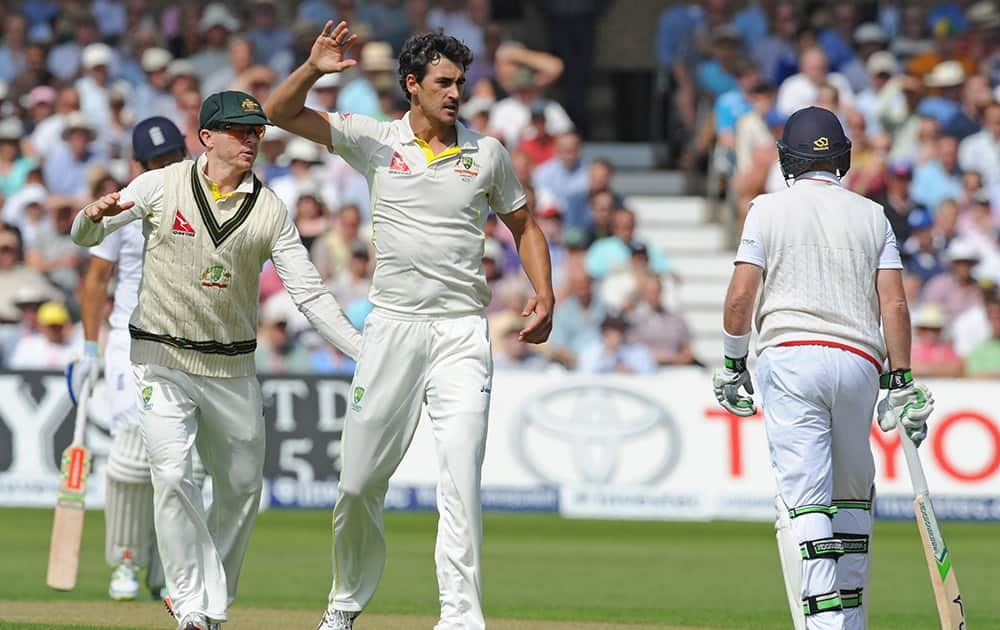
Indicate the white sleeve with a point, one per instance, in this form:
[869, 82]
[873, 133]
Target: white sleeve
[506, 194]
[889, 256]
[312, 298]
[353, 137]
[145, 191]
[751, 249]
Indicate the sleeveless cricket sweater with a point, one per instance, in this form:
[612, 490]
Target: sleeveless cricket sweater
[198, 298]
[822, 245]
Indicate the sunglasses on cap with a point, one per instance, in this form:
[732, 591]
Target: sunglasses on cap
[239, 131]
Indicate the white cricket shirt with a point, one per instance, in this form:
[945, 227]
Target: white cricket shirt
[124, 248]
[428, 212]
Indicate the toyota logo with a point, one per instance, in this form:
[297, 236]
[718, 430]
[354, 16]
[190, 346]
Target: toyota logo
[597, 434]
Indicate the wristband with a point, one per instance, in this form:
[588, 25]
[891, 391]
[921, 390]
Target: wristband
[896, 379]
[91, 349]
[735, 345]
[736, 365]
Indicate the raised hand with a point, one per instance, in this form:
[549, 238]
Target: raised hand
[107, 206]
[329, 51]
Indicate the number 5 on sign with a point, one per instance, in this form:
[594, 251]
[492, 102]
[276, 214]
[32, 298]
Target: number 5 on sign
[67, 526]
[951, 610]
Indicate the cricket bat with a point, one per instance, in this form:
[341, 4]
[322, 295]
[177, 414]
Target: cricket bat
[950, 608]
[67, 526]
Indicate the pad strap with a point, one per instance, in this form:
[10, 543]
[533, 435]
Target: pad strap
[822, 548]
[853, 504]
[812, 509]
[850, 597]
[853, 543]
[816, 604]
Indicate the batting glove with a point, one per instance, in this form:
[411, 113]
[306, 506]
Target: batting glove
[907, 404]
[81, 368]
[726, 382]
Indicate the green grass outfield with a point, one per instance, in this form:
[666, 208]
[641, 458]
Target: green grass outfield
[720, 574]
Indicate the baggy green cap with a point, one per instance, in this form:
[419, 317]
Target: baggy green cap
[231, 106]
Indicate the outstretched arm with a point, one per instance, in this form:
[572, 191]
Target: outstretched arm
[534, 252]
[285, 107]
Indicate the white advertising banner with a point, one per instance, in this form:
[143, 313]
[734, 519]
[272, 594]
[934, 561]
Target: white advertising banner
[654, 447]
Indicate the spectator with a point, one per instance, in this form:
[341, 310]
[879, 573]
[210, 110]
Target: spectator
[181, 79]
[576, 323]
[755, 150]
[267, 36]
[940, 178]
[654, 326]
[278, 352]
[715, 74]
[13, 52]
[869, 39]
[566, 176]
[324, 93]
[776, 50]
[270, 164]
[550, 220]
[881, 66]
[240, 58]
[932, 355]
[52, 347]
[913, 40]
[151, 96]
[620, 288]
[215, 26]
[730, 106]
[802, 89]
[510, 116]
[612, 353]
[15, 275]
[981, 151]
[613, 252]
[64, 59]
[93, 86]
[455, 17]
[537, 142]
[45, 136]
[56, 255]
[14, 167]
[312, 219]
[34, 220]
[188, 108]
[956, 290]
[947, 79]
[984, 360]
[35, 72]
[476, 113]
[920, 252]
[332, 251]
[972, 327]
[493, 255]
[896, 110]
[353, 283]
[896, 201]
[359, 95]
[303, 158]
[65, 171]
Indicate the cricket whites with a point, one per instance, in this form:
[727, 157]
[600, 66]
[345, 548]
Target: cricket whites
[67, 526]
[950, 608]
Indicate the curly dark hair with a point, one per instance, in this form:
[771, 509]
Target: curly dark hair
[420, 50]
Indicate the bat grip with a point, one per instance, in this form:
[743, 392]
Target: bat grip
[81, 411]
[917, 478]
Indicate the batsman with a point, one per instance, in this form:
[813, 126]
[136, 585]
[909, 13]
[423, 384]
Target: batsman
[209, 225]
[128, 497]
[831, 274]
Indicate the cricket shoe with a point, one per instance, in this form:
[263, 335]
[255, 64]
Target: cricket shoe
[338, 620]
[198, 621]
[124, 582]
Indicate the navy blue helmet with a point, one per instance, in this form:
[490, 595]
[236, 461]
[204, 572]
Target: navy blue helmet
[812, 136]
[155, 136]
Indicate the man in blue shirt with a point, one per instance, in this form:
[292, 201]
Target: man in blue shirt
[567, 177]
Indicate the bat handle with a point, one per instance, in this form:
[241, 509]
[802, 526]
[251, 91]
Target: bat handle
[917, 478]
[81, 411]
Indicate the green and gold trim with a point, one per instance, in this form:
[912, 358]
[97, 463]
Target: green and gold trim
[220, 233]
[233, 349]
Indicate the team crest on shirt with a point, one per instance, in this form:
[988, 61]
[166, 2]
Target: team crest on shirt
[398, 165]
[359, 393]
[147, 395]
[467, 167]
[216, 277]
[181, 225]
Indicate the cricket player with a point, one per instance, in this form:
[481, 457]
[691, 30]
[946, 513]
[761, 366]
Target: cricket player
[209, 226]
[129, 543]
[434, 182]
[831, 274]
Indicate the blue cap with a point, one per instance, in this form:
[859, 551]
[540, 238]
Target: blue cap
[155, 136]
[919, 218]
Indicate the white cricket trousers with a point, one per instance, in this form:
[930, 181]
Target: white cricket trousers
[403, 364]
[202, 553]
[818, 407]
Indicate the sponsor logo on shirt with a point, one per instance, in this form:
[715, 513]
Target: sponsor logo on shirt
[181, 225]
[398, 166]
[216, 277]
[467, 167]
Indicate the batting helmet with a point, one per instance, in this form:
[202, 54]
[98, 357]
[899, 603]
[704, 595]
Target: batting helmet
[155, 136]
[813, 136]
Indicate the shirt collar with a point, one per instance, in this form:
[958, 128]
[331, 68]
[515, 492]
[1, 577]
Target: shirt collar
[465, 138]
[822, 176]
[246, 184]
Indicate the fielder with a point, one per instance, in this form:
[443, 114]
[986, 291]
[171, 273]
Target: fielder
[830, 269]
[209, 226]
[434, 182]
[129, 543]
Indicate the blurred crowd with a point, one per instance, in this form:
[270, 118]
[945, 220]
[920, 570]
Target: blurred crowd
[917, 88]
[76, 76]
